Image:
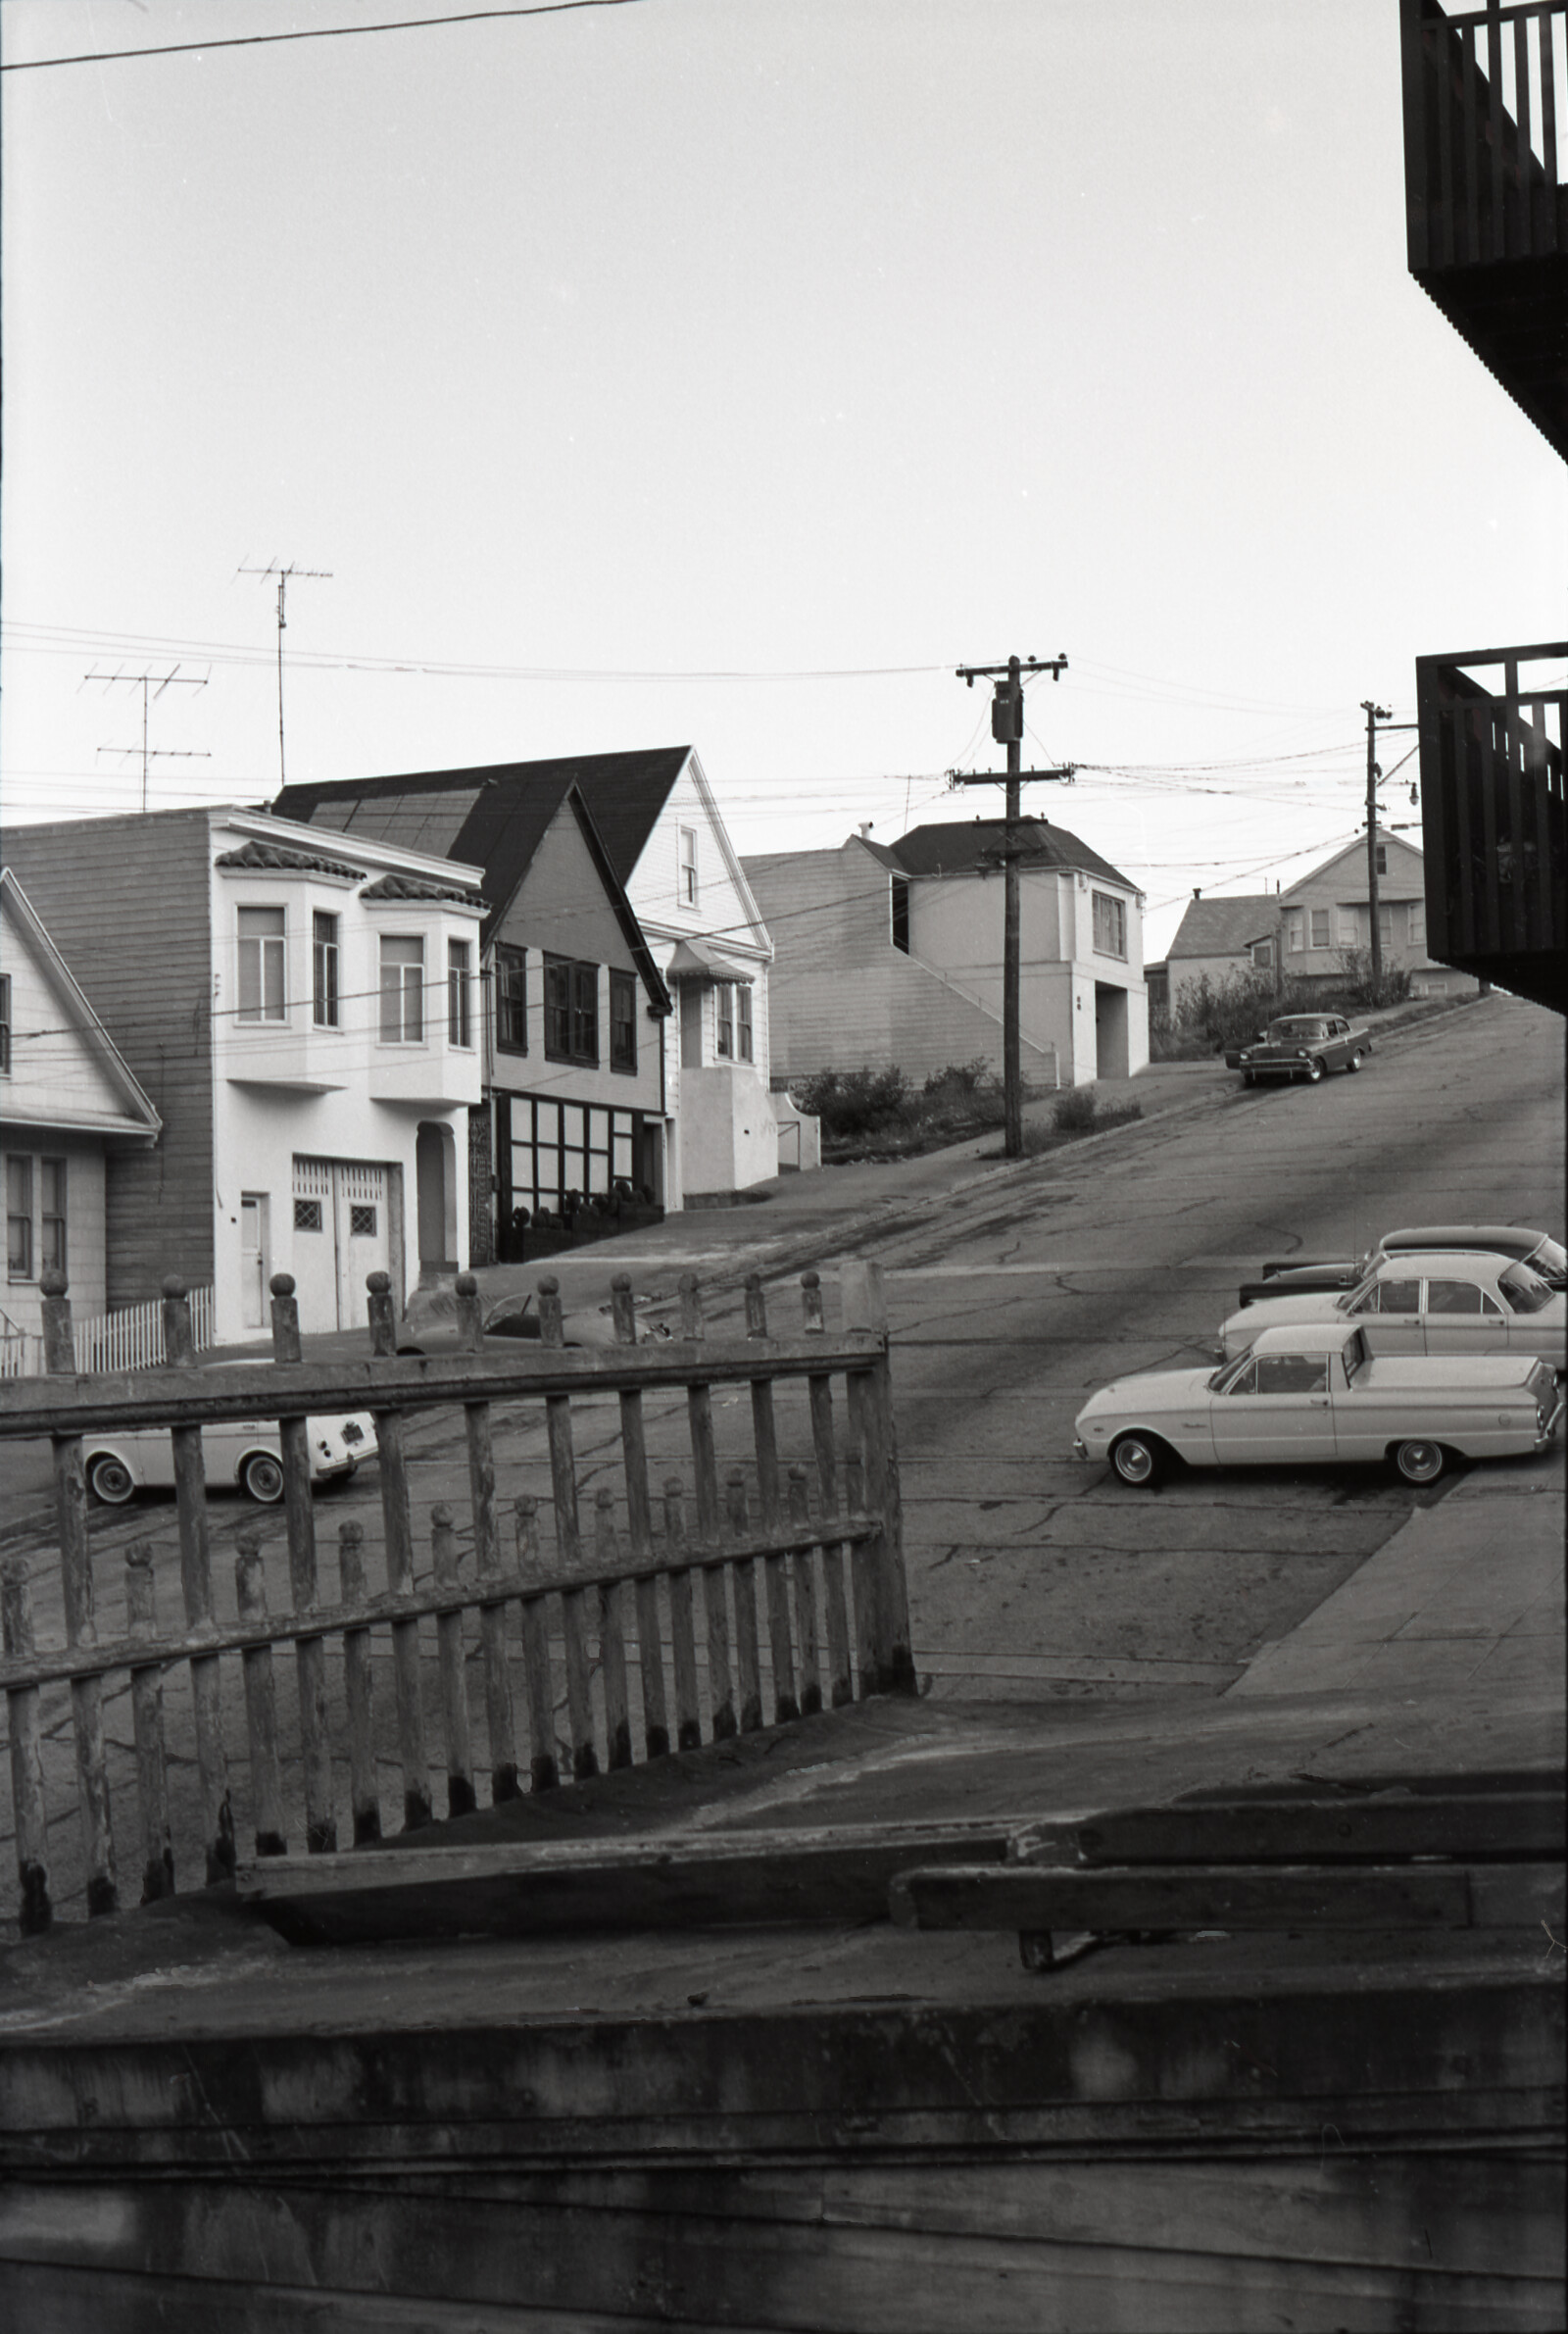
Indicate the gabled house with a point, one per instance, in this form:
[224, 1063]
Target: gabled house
[1325, 918]
[705, 1126]
[68, 1102]
[1220, 939]
[891, 954]
[304, 1022]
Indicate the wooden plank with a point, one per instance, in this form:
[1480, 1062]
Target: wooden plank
[450, 1664]
[77, 1589]
[743, 1582]
[34, 1909]
[776, 1578]
[310, 1652]
[398, 1526]
[1041, 1897]
[359, 1691]
[499, 1723]
[807, 1633]
[682, 1622]
[611, 1633]
[1303, 1831]
[544, 1774]
[261, 1716]
[836, 1612]
[705, 1478]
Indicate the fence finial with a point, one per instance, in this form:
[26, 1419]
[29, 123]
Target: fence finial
[691, 1307]
[624, 1310]
[812, 1304]
[383, 1321]
[286, 1318]
[552, 1319]
[755, 1305]
[179, 1346]
[470, 1323]
[59, 1348]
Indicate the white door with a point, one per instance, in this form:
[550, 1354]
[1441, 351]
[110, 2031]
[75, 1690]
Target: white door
[253, 1260]
[363, 1243]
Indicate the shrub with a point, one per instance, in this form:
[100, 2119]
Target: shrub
[855, 1102]
[1076, 1110]
[1390, 987]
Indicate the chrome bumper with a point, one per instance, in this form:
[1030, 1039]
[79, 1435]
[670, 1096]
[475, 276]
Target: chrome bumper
[1078, 1450]
[1549, 1431]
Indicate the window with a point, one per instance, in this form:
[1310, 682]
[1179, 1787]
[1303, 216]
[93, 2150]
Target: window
[1110, 926]
[460, 1026]
[743, 1022]
[623, 1021]
[1415, 922]
[260, 964]
[571, 1011]
[18, 1218]
[1385, 926]
[401, 990]
[361, 1223]
[898, 911]
[1381, 857]
[1292, 1373]
[1292, 930]
[1320, 927]
[307, 1216]
[1460, 1296]
[52, 1197]
[323, 970]
[1349, 925]
[1263, 954]
[512, 1000]
[4, 1023]
[687, 891]
[1393, 1296]
[725, 1011]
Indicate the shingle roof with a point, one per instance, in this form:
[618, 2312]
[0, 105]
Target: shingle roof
[959, 846]
[494, 817]
[1223, 927]
[419, 887]
[255, 853]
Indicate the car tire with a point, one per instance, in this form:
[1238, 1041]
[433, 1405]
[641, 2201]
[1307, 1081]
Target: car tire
[1355, 1063]
[1315, 1071]
[263, 1478]
[1248, 1078]
[1139, 1459]
[110, 1480]
[1420, 1462]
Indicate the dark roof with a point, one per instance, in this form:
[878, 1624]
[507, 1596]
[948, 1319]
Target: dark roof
[497, 818]
[255, 854]
[419, 887]
[960, 846]
[1223, 927]
[487, 816]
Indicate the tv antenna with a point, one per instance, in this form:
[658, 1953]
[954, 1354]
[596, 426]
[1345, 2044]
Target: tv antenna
[151, 684]
[283, 573]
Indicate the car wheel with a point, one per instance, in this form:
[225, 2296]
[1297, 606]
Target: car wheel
[263, 1478]
[1420, 1462]
[1315, 1071]
[1355, 1063]
[1138, 1458]
[111, 1480]
[1248, 1080]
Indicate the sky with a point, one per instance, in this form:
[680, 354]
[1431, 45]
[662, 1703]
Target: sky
[729, 373]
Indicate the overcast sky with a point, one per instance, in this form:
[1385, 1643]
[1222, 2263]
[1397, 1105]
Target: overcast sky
[727, 372]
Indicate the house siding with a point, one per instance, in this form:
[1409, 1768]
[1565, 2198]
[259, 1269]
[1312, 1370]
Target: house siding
[126, 902]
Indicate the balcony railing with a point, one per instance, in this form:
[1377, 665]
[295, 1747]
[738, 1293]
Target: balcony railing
[1486, 131]
[1492, 821]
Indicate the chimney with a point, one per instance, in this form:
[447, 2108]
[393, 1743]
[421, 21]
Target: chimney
[866, 826]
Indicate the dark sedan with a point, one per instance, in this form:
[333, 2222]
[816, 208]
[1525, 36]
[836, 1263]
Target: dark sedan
[1302, 1045]
[1294, 1276]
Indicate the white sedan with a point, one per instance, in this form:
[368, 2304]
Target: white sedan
[1316, 1392]
[1434, 1302]
[247, 1454]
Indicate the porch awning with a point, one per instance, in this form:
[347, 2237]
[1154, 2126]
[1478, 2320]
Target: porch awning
[694, 960]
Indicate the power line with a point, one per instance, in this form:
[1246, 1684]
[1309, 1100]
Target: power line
[257, 40]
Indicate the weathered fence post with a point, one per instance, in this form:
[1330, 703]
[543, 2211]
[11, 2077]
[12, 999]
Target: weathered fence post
[611, 1633]
[34, 1912]
[76, 1579]
[500, 1726]
[742, 1573]
[805, 1600]
[682, 1632]
[835, 1606]
[359, 1689]
[871, 1422]
[261, 1707]
[310, 1653]
[543, 1772]
[382, 1315]
[568, 1544]
[397, 1528]
[705, 1480]
[471, 1314]
[460, 1800]
[775, 1579]
[640, 1534]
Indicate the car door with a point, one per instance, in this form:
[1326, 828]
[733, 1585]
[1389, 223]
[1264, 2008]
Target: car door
[1274, 1410]
[1462, 1318]
[1388, 1315]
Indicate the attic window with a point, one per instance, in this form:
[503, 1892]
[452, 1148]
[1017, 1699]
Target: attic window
[899, 911]
[1381, 854]
[687, 893]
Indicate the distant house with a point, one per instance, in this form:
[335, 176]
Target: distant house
[303, 1020]
[1219, 939]
[891, 954]
[704, 1122]
[68, 1102]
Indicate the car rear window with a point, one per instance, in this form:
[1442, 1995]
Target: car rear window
[1522, 1290]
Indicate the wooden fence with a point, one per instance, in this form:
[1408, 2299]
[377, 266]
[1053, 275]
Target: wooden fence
[811, 1576]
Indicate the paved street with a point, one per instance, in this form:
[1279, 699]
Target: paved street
[1013, 1293]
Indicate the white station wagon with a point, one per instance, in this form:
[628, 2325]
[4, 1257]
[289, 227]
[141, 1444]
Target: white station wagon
[1431, 1301]
[247, 1454]
[1313, 1392]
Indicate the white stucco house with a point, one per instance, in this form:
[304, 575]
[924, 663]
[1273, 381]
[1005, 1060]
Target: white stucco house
[891, 954]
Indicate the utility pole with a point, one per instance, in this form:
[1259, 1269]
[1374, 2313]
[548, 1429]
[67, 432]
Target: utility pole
[1006, 728]
[1378, 717]
[314, 574]
[154, 684]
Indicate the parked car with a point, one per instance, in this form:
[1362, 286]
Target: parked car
[1427, 1302]
[1302, 1045]
[1315, 1391]
[1291, 1275]
[519, 1316]
[248, 1455]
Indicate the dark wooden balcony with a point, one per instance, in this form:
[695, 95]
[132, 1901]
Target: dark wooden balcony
[1485, 124]
[1491, 726]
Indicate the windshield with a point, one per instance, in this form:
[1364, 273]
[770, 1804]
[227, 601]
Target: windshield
[1294, 1032]
[1523, 1290]
[1225, 1377]
[1549, 1258]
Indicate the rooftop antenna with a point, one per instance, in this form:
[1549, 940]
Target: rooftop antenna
[275, 568]
[151, 684]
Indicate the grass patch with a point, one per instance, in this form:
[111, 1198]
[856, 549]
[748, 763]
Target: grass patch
[1075, 1114]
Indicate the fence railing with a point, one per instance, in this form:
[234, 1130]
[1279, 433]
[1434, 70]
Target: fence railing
[1485, 96]
[134, 1337]
[21, 1350]
[648, 1628]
